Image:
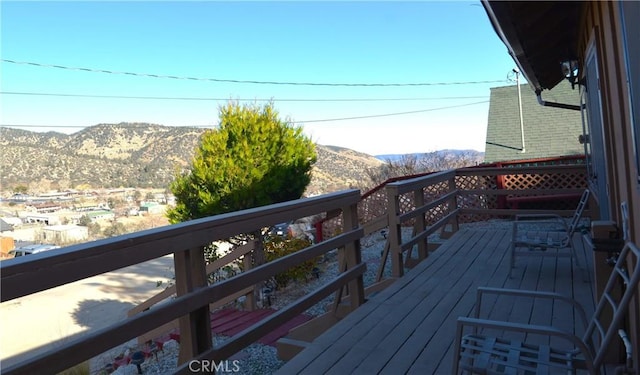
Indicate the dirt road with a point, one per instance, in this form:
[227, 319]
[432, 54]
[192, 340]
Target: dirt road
[32, 324]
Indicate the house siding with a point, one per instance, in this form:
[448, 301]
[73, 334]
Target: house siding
[601, 24]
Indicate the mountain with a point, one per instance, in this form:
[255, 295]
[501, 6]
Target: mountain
[476, 155]
[138, 155]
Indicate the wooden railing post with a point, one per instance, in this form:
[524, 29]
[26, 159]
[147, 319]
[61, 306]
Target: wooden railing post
[501, 200]
[250, 298]
[420, 225]
[353, 256]
[453, 204]
[195, 328]
[258, 259]
[395, 231]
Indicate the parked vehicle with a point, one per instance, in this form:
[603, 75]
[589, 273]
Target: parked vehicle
[31, 249]
[281, 229]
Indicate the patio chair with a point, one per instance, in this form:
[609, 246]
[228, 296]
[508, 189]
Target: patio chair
[482, 354]
[557, 236]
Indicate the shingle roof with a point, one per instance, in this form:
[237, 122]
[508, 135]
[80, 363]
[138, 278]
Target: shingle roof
[548, 131]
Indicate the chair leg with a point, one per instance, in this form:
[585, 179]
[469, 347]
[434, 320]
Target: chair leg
[456, 350]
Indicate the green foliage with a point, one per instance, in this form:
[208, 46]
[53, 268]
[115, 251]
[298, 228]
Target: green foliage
[79, 369]
[94, 228]
[276, 247]
[253, 159]
[20, 189]
[84, 221]
[114, 229]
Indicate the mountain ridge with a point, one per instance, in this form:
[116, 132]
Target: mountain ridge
[452, 152]
[139, 155]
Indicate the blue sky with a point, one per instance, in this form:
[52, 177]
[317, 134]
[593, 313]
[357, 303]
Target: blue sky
[319, 42]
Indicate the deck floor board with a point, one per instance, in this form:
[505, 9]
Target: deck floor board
[410, 326]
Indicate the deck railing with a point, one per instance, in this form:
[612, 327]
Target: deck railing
[445, 199]
[425, 204]
[186, 241]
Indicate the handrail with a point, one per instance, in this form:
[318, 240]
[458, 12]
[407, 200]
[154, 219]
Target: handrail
[403, 187]
[383, 184]
[191, 305]
[27, 275]
[132, 327]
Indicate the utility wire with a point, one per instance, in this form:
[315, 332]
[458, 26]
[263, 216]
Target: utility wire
[295, 122]
[393, 114]
[232, 99]
[92, 70]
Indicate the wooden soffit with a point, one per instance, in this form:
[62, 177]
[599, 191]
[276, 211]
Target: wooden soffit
[539, 35]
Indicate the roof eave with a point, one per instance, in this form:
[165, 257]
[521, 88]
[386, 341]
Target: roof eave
[538, 35]
[508, 35]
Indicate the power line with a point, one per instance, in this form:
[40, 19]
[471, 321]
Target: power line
[225, 99]
[393, 114]
[150, 75]
[295, 122]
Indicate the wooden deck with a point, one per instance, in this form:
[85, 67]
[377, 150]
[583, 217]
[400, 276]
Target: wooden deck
[410, 326]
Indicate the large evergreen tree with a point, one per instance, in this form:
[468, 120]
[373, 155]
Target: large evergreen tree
[253, 159]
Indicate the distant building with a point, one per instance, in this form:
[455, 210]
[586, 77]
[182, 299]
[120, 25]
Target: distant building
[548, 131]
[101, 215]
[151, 208]
[171, 200]
[47, 219]
[17, 198]
[54, 195]
[62, 234]
[44, 208]
[83, 207]
[160, 198]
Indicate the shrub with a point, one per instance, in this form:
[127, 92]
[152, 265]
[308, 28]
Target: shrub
[79, 369]
[276, 247]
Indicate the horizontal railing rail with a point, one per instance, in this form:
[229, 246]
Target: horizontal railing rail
[27, 275]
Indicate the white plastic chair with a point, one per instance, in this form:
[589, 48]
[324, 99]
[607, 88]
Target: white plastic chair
[557, 236]
[476, 353]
